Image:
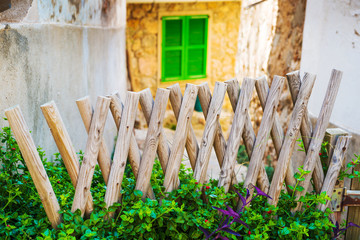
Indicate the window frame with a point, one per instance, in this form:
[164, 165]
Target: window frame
[185, 45]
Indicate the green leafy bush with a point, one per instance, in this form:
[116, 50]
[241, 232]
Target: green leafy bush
[177, 215]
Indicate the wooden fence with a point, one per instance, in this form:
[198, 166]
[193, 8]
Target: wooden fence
[170, 156]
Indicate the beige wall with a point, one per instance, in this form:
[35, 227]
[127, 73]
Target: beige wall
[143, 40]
[144, 29]
[45, 55]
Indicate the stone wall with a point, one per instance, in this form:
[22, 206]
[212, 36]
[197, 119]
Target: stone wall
[143, 33]
[45, 56]
[270, 44]
[143, 27]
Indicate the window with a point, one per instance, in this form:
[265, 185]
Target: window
[184, 47]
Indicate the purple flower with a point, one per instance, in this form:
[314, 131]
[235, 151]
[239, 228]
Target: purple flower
[338, 231]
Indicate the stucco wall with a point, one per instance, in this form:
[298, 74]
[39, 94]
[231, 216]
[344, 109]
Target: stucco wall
[46, 57]
[332, 40]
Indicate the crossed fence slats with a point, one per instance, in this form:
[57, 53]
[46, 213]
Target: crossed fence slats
[261, 138]
[65, 146]
[290, 138]
[170, 156]
[237, 126]
[116, 107]
[112, 194]
[319, 132]
[82, 190]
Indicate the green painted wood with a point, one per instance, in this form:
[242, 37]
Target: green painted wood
[184, 47]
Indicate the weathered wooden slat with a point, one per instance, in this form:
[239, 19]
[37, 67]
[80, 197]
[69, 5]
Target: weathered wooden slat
[319, 132]
[336, 163]
[65, 146]
[233, 89]
[121, 149]
[82, 190]
[163, 150]
[241, 112]
[265, 127]
[34, 164]
[117, 108]
[192, 147]
[180, 137]
[277, 132]
[306, 130]
[331, 136]
[205, 98]
[211, 129]
[104, 159]
[152, 140]
[290, 138]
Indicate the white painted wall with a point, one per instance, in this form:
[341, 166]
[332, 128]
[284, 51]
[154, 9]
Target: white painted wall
[48, 57]
[332, 40]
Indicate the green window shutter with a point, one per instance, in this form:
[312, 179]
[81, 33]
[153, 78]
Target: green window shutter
[184, 47]
[172, 48]
[196, 47]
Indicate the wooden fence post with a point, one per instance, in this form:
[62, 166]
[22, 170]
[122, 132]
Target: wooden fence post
[290, 138]
[319, 132]
[104, 159]
[192, 147]
[65, 146]
[336, 163]
[152, 140]
[211, 128]
[121, 149]
[306, 130]
[117, 108]
[34, 164]
[205, 99]
[248, 135]
[265, 127]
[87, 168]
[227, 169]
[180, 137]
[163, 150]
[277, 132]
[331, 136]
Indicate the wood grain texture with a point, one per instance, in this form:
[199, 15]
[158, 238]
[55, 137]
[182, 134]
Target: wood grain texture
[256, 160]
[33, 162]
[336, 163]
[192, 147]
[65, 146]
[319, 131]
[248, 136]
[104, 159]
[210, 132]
[121, 149]
[180, 137]
[152, 140]
[82, 191]
[163, 149]
[117, 107]
[331, 136]
[277, 133]
[205, 98]
[306, 130]
[241, 112]
[290, 139]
